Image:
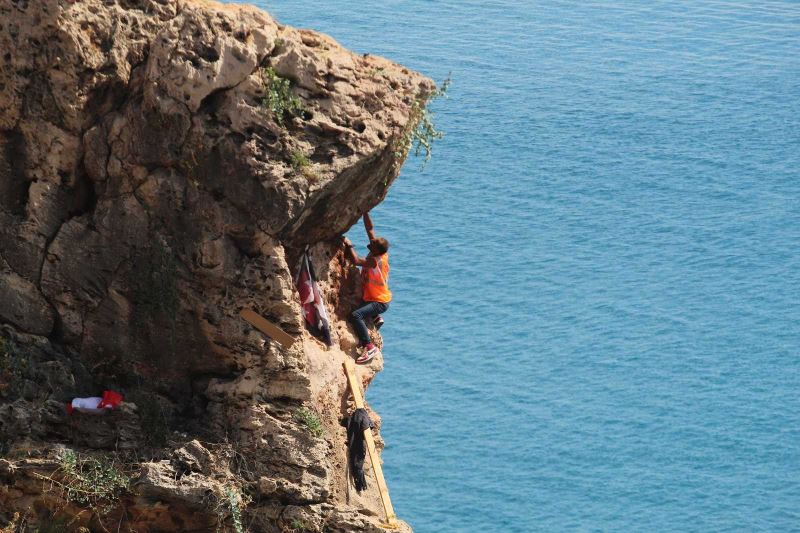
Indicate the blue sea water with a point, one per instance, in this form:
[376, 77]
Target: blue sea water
[596, 324]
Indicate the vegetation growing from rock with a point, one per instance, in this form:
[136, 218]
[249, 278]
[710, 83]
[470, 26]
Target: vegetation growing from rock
[232, 503]
[297, 526]
[310, 420]
[301, 164]
[299, 160]
[278, 97]
[96, 483]
[421, 132]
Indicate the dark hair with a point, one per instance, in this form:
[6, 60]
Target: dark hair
[379, 245]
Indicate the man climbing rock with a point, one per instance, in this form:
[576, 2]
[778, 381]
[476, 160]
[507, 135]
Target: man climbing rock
[376, 293]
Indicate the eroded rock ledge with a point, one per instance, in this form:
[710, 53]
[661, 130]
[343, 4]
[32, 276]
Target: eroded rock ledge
[147, 195]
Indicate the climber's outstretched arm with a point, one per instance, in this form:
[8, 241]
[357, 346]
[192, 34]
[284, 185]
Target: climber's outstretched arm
[350, 252]
[369, 227]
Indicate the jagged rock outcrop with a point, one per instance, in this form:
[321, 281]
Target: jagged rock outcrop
[156, 177]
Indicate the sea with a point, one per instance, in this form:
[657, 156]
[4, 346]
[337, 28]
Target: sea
[596, 277]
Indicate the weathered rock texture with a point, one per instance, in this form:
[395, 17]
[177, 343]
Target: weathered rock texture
[147, 196]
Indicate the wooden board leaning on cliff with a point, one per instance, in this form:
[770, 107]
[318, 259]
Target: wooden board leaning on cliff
[358, 397]
[267, 327]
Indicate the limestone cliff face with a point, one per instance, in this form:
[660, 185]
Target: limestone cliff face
[149, 191]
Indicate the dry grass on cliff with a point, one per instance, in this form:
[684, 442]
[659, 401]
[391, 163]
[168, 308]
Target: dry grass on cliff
[95, 483]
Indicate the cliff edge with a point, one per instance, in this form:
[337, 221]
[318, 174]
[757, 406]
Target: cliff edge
[162, 166]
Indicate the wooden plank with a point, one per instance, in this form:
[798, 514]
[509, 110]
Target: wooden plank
[267, 327]
[355, 385]
[355, 388]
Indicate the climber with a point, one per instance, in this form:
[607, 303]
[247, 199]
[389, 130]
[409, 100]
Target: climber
[376, 293]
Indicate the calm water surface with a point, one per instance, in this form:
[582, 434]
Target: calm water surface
[596, 323]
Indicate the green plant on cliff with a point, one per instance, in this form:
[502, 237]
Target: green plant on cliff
[297, 526]
[310, 420]
[302, 164]
[421, 132]
[278, 97]
[96, 483]
[299, 160]
[232, 502]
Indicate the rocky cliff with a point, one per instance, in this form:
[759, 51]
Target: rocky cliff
[162, 165]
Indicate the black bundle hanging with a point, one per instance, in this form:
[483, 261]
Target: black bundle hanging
[356, 445]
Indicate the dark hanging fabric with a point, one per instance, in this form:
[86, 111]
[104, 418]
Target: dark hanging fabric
[356, 446]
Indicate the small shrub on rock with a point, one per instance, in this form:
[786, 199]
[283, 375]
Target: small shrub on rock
[232, 502]
[278, 97]
[301, 164]
[310, 420]
[92, 482]
[297, 526]
[421, 132]
[299, 160]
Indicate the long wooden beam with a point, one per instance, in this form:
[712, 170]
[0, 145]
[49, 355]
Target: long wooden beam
[355, 388]
[267, 327]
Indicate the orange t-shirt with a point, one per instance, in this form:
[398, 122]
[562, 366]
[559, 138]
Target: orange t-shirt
[376, 281]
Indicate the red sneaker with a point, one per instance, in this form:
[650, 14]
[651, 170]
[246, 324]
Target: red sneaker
[369, 351]
[377, 322]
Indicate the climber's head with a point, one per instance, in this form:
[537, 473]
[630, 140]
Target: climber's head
[378, 246]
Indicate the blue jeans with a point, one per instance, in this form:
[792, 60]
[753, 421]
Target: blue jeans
[368, 310]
